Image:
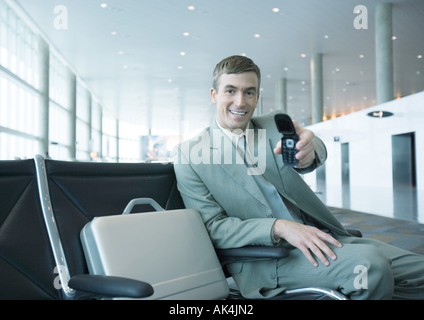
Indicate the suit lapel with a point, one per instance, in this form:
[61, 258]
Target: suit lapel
[224, 152]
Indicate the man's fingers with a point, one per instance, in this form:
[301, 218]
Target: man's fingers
[309, 256]
[320, 249]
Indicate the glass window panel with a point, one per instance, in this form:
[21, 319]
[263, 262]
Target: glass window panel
[96, 116]
[13, 147]
[83, 103]
[59, 125]
[83, 136]
[59, 82]
[4, 97]
[57, 151]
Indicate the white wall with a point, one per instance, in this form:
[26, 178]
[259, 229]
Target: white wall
[370, 155]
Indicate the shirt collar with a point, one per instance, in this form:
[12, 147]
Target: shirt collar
[231, 134]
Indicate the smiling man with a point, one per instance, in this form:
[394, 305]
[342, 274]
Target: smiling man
[236, 99]
[275, 207]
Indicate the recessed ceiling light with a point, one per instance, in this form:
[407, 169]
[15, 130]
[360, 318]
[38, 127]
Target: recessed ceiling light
[257, 35]
[186, 34]
[285, 69]
[275, 10]
[420, 56]
[114, 33]
[180, 67]
[361, 56]
[326, 36]
[191, 8]
[103, 5]
[182, 53]
[303, 55]
[394, 38]
[120, 52]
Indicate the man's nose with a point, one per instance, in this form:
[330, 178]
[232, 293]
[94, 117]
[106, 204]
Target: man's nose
[239, 99]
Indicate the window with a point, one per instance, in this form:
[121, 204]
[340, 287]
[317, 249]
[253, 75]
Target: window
[83, 114]
[110, 151]
[60, 115]
[96, 131]
[20, 123]
[129, 142]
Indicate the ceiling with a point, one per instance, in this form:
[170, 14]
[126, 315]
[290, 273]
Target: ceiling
[150, 62]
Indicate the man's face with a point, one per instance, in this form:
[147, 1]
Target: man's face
[236, 99]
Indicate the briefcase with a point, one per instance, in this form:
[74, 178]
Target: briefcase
[170, 249]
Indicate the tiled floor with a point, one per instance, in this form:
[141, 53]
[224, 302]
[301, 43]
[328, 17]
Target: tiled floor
[401, 233]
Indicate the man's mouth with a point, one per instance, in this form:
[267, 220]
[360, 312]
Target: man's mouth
[238, 114]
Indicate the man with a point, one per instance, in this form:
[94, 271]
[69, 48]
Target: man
[247, 196]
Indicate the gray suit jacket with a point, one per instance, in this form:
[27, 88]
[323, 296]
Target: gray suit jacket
[213, 180]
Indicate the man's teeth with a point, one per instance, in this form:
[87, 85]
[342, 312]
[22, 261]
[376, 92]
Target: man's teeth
[238, 113]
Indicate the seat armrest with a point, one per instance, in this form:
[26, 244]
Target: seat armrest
[355, 233]
[251, 253]
[90, 286]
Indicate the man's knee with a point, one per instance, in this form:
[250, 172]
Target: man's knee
[372, 275]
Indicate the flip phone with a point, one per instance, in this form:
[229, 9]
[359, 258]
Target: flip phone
[289, 138]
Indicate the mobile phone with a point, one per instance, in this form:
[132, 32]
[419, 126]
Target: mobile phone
[289, 138]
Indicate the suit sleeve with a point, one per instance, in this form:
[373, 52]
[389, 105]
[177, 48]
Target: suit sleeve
[320, 157]
[225, 231]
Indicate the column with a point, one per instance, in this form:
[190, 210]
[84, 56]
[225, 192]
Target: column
[44, 62]
[117, 139]
[100, 115]
[72, 115]
[317, 88]
[384, 53]
[281, 95]
[90, 123]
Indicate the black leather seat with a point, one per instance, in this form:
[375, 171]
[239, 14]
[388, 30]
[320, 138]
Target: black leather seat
[80, 191]
[43, 208]
[26, 261]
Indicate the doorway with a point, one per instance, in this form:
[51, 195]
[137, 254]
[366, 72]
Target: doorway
[345, 175]
[404, 176]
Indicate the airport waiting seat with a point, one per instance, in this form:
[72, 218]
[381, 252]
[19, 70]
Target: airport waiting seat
[27, 263]
[79, 191]
[71, 194]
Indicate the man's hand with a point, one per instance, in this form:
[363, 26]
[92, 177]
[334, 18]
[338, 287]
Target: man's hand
[305, 145]
[309, 240]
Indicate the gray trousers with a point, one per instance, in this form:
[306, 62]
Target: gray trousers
[364, 269]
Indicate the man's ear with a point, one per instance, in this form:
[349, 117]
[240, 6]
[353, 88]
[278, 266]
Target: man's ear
[213, 95]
